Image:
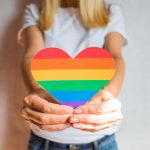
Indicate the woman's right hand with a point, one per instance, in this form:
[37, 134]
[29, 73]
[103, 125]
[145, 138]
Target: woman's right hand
[46, 115]
[40, 108]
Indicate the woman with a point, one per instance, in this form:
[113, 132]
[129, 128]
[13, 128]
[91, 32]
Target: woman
[73, 25]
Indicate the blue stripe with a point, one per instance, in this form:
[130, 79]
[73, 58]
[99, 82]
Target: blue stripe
[73, 96]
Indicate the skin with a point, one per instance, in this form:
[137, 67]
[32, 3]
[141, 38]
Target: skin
[42, 109]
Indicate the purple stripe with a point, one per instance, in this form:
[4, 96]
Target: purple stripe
[73, 104]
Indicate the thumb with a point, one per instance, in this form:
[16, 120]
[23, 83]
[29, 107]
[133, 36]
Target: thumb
[106, 94]
[102, 95]
[95, 99]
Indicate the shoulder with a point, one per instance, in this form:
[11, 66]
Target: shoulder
[32, 10]
[116, 10]
[116, 14]
[117, 21]
[30, 18]
[32, 7]
[113, 7]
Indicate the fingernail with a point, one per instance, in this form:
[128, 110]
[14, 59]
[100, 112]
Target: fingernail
[68, 125]
[26, 100]
[69, 111]
[73, 120]
[23, 113]
[76, 125]
[78, 111]
[104, 97]
[115, 123]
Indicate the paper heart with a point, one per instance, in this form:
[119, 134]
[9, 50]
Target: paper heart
[73, 81]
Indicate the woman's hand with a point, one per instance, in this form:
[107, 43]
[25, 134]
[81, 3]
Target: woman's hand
[95, 116]
[46, 115]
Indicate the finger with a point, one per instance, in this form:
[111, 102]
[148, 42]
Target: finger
[93, 130]
[96, 119]
[92, 127]
[44, 106]
[28, 121]
[100, 108]
[42, 118]
[56, 127]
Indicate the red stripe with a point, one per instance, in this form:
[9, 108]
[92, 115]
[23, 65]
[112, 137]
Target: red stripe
[91, 52]
[51, 53]
[94, 52]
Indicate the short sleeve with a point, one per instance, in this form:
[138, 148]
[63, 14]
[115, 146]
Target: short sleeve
[117, 22]
[30, 18]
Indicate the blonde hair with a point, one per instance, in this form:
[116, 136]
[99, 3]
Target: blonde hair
[93, 12]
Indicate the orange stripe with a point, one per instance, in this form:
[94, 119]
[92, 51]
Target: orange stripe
[77, 63]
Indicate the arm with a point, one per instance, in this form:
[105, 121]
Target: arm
[114, 43]
[34, 41]
[37, 110]
[96, 115]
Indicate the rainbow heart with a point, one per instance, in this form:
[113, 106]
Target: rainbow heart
[73, 81]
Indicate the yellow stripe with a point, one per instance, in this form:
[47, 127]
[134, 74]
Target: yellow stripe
[73, 74]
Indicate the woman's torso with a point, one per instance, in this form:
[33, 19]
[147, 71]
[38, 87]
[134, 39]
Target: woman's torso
[69, 34]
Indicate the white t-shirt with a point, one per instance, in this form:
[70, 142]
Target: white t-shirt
[69, 34]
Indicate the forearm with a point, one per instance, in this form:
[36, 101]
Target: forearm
[30, 84]
[33, 39]
[114, 86]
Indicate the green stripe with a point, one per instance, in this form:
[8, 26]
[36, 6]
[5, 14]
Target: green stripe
[73, 85]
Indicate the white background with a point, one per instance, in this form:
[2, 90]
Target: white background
[135, 95]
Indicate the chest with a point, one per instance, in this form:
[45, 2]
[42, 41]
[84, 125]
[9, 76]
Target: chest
[70, 35]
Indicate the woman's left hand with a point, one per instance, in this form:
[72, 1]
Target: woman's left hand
[95, 116]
